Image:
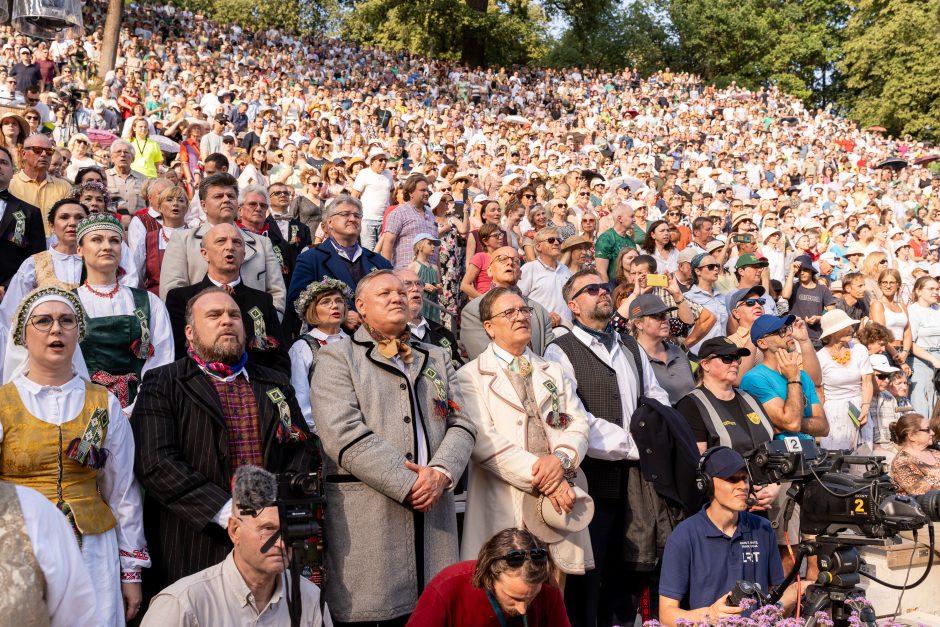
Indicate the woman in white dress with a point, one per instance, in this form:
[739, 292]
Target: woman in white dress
[68, 438]
[323, 306]
[129, 328]
[847, 386]
[924, 315]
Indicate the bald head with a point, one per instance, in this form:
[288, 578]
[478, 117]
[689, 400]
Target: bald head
[505, 267]
[223, 248]
[153, 190]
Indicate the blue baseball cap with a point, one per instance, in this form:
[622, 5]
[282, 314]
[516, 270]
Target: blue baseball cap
[724, 463]
[768, 324]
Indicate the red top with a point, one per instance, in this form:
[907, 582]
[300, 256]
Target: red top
[450, 600]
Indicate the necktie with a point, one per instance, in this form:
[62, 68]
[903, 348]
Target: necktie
[521, 366]
[229, 289]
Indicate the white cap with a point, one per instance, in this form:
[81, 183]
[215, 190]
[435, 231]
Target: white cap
[375, 152]
[880, 363]
[435, 199]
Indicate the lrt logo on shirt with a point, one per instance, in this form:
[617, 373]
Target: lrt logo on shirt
[750, 551]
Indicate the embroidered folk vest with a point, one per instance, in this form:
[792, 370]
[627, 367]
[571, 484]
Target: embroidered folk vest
[45, 272]
[24, 586]
[33, 452]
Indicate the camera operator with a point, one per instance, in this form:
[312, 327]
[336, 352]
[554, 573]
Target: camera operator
[707, 554]
[248, 588]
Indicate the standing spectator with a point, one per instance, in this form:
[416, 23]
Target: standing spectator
[424, 329]
[847, 384]
[124, 183]
[650, 318]
[373, 186]
[212, 395]
[505, 271]
[147, 154]
[588, 356]
[391, 454]
[476, 282]
[884, 407]
[543, 278]
[707, 270]
[924, 314]
[212, 141]
[507, 386]
[854, 301]
[183, 263]
[340, 256]
[406, 222]
[808, 299]
[289, 236]
[21, 226]
[26, 71]
[889, 311]
[223, 248]
[658, 244]
[613, 240]
[511, 578]
[32, 183]
[148, 254]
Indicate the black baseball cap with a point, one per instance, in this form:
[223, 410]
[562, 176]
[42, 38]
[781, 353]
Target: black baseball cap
[724, 463]
[719, 347]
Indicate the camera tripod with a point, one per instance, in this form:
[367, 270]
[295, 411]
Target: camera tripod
[837, 585]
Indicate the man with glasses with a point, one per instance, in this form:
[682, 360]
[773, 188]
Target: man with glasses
[510, 579]
[531, 432]
[32, 183]
[505, 271]
[608, 372]
[123, 182]
[340, 255]
[373, 187]
[289, 236]
[542, 280]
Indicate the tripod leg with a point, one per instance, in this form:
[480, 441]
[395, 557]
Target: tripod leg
[815, 599]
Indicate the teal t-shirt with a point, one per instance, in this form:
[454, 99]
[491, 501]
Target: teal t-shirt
[766, 384]
[608, 246]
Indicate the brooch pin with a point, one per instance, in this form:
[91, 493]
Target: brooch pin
[286, 431]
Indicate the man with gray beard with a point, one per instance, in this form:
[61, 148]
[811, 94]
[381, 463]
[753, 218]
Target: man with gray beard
[196, 421]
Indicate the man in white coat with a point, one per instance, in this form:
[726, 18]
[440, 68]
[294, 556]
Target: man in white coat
[532, 432]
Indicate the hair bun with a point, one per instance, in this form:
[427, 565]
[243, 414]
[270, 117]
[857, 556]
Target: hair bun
[895, 433]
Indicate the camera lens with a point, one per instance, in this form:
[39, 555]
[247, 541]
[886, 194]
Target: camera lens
[930, 503]
[304, 483]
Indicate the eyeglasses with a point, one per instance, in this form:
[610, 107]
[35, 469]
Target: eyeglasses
[504, 258]
[346, 215]
[319, 184]
[673, 213]
[283, 192]
[710, 266]
[257, 205]
[727, 359]
[889, 282]
[552, 240]
[593, 289]
[39, 150]
[513, 314]
[32, 117]
[44, 323]
[750, 302]
[783, 331]
[518, 557]
[529, 196]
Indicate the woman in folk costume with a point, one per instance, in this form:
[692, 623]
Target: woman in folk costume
[148, 258]
[323, 307]
[60, 266]
[68, 438]
[128, 328]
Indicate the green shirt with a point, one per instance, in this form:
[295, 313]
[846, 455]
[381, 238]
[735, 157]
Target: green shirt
[608, 246]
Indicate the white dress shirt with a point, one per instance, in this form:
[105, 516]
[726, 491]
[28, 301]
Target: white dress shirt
[301, 357]
[70, 598]
[543, 285]
[607, 440]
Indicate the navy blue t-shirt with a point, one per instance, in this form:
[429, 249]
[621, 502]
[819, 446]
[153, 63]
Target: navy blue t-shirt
[701, 563]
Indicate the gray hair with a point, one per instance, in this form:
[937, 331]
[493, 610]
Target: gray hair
[335, 204]
[252, 189]
[122, 143]
[205, 238]
[364, 282]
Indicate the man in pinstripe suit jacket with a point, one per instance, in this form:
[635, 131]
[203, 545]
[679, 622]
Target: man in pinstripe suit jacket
[195, 421]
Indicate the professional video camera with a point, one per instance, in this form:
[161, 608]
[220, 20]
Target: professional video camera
[844, 511]
[70, 94]
[298, 498]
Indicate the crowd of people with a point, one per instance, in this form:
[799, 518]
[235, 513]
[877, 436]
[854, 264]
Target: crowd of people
[530, 319]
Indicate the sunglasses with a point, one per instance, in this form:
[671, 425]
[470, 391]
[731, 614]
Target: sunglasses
[883, 262]
[710, 266]
[883, 377]
[517, 558]
[673, 213]
[750, 302]
[552, 240]
[39, 150]
[529, 196]
[584, 194]
[659, 317]
[727, 359]
[592, 289]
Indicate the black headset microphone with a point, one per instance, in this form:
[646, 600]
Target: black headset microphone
[703, 479]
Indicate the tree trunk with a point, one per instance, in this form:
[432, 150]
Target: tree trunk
[112, 32]
[474, 46]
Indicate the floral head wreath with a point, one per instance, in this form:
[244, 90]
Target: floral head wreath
[95, 186]
[328, 284]
[22, 312]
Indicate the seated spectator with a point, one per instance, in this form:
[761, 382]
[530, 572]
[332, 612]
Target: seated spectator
[884, 407]
[916, 467]
[248, 572]
[476, 282]
[511, 579]
[699, 571]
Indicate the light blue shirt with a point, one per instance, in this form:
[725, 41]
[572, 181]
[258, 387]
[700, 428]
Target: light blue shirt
[715, 303]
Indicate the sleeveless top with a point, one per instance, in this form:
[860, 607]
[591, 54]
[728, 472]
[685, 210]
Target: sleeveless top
[895, 321]
[154, 259]
[23, 600]
[45, 272]
[34, 454]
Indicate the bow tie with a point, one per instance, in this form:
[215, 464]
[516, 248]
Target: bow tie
[5, 194]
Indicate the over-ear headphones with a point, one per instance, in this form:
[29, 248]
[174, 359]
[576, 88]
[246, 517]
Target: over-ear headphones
[703, 480]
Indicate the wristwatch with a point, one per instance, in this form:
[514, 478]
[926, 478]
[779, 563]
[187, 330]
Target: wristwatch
[565, 460]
